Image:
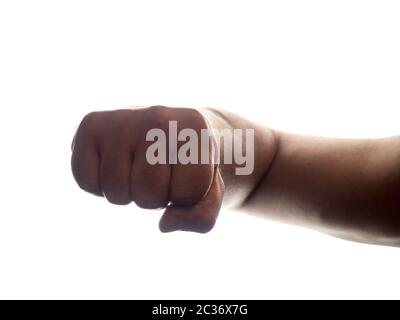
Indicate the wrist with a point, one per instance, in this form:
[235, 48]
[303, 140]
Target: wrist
[257, 147]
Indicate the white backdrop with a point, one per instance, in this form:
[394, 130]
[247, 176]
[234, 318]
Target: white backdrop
[320, 67]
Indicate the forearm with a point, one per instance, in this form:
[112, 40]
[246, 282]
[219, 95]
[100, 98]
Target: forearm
[348, 188]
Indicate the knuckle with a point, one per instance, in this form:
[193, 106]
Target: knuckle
[186, 197]
[119, 117]
[197, 119]
[116, 130]
[88, 187]
[79, 175]
[86, 127]
[117, 197]
[148, 204]
[158, 112]
[88, 121]
[149, 201]
[116, 122]
[157, 116]
[114, 189]
[84, 182]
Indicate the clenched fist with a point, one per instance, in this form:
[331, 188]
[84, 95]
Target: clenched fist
[109, 158]
[344, 187]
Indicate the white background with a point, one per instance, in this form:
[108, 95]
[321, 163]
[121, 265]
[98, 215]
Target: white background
[320, 67]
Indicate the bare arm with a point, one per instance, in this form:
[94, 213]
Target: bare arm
[346, 188]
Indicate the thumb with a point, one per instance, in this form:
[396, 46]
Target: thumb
[200, 217]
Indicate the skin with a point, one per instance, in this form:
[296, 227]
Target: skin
[347, 188]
